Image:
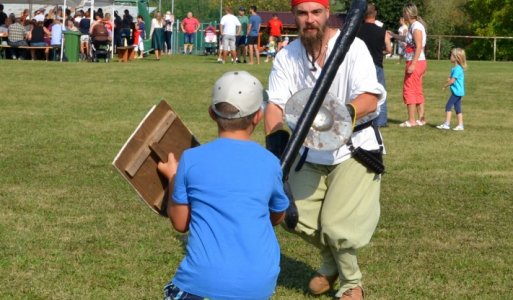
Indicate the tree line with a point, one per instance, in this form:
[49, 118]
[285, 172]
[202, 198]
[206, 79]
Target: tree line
[443, 17]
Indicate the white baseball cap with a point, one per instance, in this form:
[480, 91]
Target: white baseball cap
[240, 89]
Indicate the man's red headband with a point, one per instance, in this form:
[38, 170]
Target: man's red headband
[325, 3]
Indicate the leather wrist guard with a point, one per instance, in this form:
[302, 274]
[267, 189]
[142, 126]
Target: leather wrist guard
[277, 141]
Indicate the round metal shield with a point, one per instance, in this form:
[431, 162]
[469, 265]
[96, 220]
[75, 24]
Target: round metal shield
[332, 126]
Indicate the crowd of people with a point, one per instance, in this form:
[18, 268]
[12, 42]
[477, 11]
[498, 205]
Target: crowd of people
[38, 31]
[46, 28]
[239, 36]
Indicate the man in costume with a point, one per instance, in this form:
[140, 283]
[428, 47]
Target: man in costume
[336, 195]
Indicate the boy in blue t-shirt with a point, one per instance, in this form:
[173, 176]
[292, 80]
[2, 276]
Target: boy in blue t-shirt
[228, 194]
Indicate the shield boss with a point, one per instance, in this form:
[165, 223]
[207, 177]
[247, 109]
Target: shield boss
[331, 128]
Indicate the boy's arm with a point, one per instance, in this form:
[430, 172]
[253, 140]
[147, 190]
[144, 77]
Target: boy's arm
[277, 218]
[179, 214]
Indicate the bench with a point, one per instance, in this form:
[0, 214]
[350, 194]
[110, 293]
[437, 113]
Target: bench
[126, 54]
[2, 50]
[34, 48]
[3, 47]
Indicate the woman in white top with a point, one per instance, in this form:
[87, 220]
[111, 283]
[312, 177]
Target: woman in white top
[157, 34]
[413, 94]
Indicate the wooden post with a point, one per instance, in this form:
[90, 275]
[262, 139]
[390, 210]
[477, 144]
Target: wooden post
[494, 48]
[439, 46]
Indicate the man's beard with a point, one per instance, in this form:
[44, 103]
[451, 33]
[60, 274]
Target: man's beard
[312, 43]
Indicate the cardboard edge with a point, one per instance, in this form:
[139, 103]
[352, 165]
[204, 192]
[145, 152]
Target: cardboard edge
[133, 133]
[113, 164]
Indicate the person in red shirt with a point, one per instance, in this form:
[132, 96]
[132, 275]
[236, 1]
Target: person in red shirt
[190, 26]
[275, 27]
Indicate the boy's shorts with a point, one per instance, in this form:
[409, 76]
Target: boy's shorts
[172, 292]
[229, 42]
[139, 46]
[252, 40]
[84, 38]
[241, 40]
[188, 38]
[277, 39]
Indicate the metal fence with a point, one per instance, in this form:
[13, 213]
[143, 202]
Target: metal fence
[177, 38]
[438, 46]
[477, 47]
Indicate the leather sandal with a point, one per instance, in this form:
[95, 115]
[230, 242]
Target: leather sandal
[407, 124]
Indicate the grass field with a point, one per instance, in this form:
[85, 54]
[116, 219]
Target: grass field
[71, 227]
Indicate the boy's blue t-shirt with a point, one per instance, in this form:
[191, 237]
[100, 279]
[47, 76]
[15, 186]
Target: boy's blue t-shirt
[458, 87]
[255, 22]
[232, 250]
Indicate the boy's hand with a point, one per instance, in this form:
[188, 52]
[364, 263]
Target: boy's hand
[168, 169]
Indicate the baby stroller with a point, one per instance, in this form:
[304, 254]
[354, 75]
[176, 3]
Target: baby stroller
[100, 43]
[100, 49]
[210, 40]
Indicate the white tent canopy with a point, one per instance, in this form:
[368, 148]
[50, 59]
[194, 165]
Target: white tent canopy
[65, 4]
[52, 3]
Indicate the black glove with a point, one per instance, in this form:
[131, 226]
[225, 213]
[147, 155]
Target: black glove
[277, 141]
[291, 214]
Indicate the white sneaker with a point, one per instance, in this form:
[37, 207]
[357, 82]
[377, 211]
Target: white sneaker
[443, 126]
[459, 128]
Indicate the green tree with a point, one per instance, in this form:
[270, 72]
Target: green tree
[442, 17]
[489, 18]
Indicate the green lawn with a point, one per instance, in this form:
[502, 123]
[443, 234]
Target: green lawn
[71, 227]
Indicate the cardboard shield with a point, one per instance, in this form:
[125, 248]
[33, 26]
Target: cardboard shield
[160, 132]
